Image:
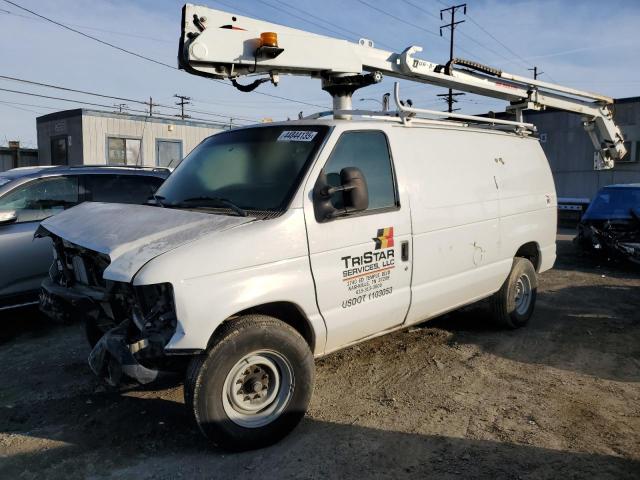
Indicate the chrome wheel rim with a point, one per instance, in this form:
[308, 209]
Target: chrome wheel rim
[257, 389]
[523, 294]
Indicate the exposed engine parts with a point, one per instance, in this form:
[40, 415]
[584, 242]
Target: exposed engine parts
[129, 325]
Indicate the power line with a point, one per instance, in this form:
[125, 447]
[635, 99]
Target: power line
[67, 89]
[495, 39]
[12, 105]
[295, 15]
[350, 32]
[114, 32]
[384, 12]
[524, 62]
[112, 97]
[96, 39]
[80, 102]
[418, 7]
[143, 57]
[31, 105]
[19, 92]
[430, 32]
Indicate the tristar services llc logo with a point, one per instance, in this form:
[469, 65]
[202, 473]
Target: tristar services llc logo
[384, 238]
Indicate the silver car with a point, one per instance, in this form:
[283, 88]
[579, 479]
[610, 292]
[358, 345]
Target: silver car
[29, 195]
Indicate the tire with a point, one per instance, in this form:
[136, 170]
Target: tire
[274, 369]
[513, 304]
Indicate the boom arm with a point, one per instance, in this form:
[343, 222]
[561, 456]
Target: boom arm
[223, 45]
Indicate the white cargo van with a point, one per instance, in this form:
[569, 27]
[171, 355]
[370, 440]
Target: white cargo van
[274, 244]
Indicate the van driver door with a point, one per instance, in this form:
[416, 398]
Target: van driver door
[361, 262]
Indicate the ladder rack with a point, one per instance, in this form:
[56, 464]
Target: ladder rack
[407, 115]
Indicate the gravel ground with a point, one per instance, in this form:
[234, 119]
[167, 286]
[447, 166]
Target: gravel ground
[453, 398]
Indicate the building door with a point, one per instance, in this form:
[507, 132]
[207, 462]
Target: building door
[168, 153]
[59, 150]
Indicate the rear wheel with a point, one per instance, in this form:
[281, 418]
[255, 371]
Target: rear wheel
[513, 304]
[253, 386]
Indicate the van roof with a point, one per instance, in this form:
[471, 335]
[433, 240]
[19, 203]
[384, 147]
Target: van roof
[393, 120]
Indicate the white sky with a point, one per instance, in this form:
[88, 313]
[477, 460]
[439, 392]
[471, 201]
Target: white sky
[591, 45]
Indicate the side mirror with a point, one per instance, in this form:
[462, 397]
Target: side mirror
[8, 216]
[353, 188]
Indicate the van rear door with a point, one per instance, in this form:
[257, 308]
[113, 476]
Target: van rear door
[362, 278]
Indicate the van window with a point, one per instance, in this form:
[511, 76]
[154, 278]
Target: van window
[41, 199]
[120, 188]
[369, 151]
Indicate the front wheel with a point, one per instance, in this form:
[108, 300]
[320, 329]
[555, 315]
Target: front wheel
[253, 386]
[513, 304]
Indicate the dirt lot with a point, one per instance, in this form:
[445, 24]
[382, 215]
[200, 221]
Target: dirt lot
[452, 398]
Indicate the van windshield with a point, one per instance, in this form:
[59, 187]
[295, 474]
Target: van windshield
[248, 169]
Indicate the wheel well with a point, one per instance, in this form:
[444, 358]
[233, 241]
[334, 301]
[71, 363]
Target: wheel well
[287, 312]
[531, 252]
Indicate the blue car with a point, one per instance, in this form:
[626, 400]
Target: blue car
[29, 195]
[611, 224]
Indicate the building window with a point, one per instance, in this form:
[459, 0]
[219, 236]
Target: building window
[123, 151]
[168, 153]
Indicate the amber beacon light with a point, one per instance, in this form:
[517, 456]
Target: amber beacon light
[269, 39]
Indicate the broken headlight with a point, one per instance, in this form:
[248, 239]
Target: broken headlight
[154, 313]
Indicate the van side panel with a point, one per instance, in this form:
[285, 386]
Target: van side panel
[528, 201]
[455, 216]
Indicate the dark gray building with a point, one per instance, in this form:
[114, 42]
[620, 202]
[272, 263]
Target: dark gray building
[13, 156]
[571, 152]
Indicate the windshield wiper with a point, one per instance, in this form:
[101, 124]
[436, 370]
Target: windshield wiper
[219, 201]
[158, 199]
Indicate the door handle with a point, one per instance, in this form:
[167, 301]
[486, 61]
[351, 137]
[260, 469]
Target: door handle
[404, 250]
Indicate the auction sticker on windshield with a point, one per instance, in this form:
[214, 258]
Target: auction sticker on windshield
[297, 136]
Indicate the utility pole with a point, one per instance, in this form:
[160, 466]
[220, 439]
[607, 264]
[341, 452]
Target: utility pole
[452, 10]
[535, 71]
[183, 101]
[151, 105]
[121, 107]
[450, 99]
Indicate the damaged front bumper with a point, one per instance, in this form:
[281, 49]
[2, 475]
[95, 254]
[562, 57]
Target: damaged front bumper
[113, 356]
[619, 240]
[128, 326]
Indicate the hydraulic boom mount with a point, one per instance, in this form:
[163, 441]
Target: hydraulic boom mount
[224, 45]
